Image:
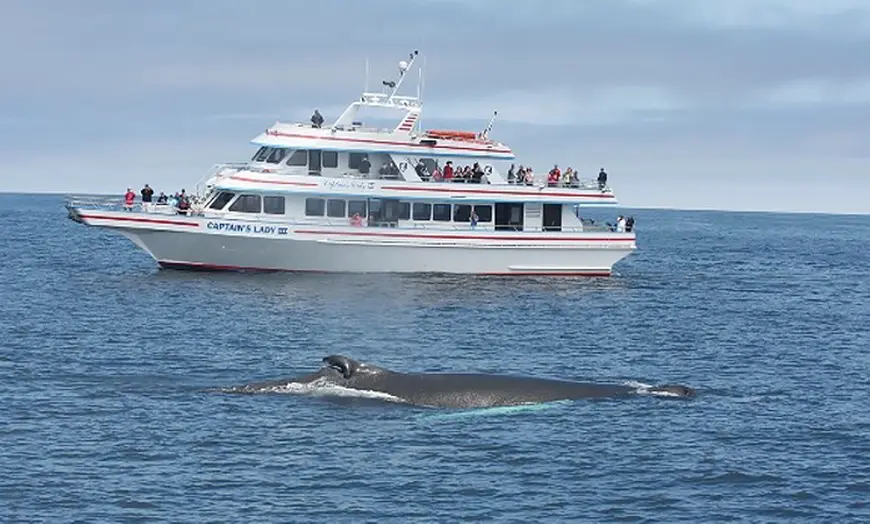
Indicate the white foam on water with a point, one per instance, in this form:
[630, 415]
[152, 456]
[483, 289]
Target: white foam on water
[638, 385]
[647, 389]
[322, 388]
[660, 393]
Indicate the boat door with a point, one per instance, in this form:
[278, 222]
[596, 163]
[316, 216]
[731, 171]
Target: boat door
[315, 163]
[384, 212]
[552, 217]
[508, 216]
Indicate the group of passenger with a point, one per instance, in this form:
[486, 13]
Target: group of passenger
[623, 224]
[555, 178]
[473, 174]
[389, 170]
[180, 201]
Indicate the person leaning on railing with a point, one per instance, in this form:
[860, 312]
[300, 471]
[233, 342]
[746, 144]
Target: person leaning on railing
[183, 205]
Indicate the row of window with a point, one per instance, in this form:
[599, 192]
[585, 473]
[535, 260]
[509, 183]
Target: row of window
[335, 208]
[314, 158]
[271, 205]
[340, 208]
[420, 211]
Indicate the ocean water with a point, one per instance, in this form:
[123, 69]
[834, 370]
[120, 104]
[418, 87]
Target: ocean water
[106, 413]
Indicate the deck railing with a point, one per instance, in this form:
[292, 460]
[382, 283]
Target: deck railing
[218, 172]
[111, 203]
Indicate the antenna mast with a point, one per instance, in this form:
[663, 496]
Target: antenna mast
[403, 68]
[366, 87]
[489, 126]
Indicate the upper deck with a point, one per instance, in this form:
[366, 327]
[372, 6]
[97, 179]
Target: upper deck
[400, 160]
[399, 140]
[400, 133]
[245, 178]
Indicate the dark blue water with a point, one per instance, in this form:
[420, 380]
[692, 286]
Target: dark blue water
[105, 359]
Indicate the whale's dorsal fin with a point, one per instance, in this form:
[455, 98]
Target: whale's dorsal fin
[344, 365]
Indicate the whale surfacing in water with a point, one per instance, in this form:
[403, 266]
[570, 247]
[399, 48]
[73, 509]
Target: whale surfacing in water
[458, 390]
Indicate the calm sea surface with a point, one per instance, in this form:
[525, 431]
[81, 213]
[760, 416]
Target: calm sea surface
[105, 361]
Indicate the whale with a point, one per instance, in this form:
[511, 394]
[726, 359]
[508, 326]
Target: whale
[458, 390]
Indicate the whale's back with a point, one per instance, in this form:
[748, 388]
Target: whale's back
[467, 390]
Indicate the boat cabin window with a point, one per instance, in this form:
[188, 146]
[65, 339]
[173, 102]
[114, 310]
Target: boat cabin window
[356, 207]
[262, 154]
[404, 211]
[277, 156]
[441, 212]
[329, 159]
[430, 164]
[221, 200]
[298, 158]
[335, 208]
[422, 211]
[462, 213]
[484, 213]
[273, 205]
[246, 204]
[355, 159]
[314, 207]
[261, 151]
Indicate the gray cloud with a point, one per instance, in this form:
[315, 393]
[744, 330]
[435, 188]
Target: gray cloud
[736, 82]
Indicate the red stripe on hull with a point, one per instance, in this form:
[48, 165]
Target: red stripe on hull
[463, 237]
[142, 220]
[548, 274]
[279, 182]
[171, 264]
[391, 143]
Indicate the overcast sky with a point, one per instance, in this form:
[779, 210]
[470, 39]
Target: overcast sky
[724, 104]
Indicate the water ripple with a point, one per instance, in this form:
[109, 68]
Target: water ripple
[107, 362]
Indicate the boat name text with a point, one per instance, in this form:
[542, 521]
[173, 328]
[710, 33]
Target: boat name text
[256, 229]
[337, 183]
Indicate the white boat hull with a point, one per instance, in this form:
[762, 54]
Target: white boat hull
[198, 243]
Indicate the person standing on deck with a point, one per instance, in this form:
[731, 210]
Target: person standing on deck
[554, 176]
[316, 119]
[147, 193]
[602, 179]
[448, 171]
[129, 198]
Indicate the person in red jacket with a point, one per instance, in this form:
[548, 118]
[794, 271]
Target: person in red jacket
[447, 175]
[555, 176]
[129, 198]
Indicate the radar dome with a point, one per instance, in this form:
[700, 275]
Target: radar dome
[403, 66]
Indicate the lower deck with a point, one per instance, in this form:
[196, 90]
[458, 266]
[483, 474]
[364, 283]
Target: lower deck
[397, 213]
[419, 237]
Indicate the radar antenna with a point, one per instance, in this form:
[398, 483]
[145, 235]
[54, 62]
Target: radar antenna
[404, 66]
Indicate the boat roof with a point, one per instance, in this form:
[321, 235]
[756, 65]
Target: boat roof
[349, 133]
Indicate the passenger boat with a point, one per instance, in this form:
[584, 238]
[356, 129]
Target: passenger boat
[345, 197]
